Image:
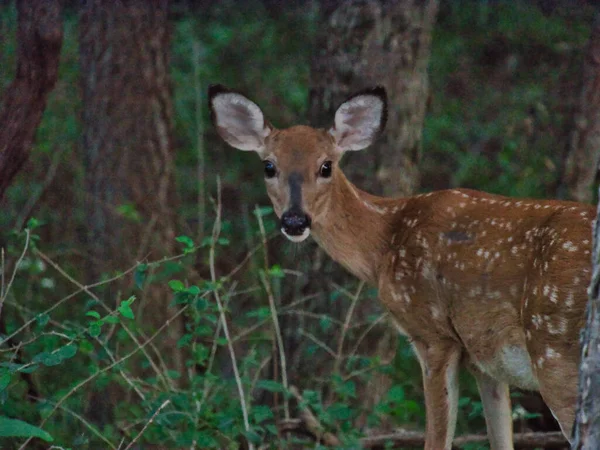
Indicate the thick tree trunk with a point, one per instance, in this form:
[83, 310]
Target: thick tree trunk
[581, 166]
[127, 146]
[587, 423]
[364, 44]
[39, 38]
[367, 43]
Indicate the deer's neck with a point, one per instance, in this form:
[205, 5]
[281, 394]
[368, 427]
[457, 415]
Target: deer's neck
[356, 231]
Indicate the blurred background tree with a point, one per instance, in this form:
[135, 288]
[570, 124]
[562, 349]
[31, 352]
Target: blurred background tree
[122, 173]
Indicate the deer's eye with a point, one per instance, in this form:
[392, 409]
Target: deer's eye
[270, 170]
[325, 170]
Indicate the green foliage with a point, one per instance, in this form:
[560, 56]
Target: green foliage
[18, 428]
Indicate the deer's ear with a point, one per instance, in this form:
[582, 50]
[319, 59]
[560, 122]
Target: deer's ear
[360, 119]
[238, 120]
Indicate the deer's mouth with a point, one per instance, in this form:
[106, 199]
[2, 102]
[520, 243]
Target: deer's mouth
[296, 237]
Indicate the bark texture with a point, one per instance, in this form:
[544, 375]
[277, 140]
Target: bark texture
[367, 43]
[581, 166]
[127, 146]
[586, 434]
[39, 37]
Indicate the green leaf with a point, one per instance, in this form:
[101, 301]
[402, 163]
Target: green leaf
[276, 271]
[18, 428]
[270, 385]
[42, 319]
[223, 241]
[261, 413]
[94, 330]
[93, 314]
[185, 240]
[396, 394]
[67, 352]
[194, 290]
[176, 285]
[111, 319]
[140, 274]
[4, 379]
[126, 311]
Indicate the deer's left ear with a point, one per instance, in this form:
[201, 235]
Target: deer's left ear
[360, 119]
[239, 121]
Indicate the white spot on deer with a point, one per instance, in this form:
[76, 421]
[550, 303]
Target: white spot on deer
[402, 252]
[509, 239]
[480, 252]
[554, 295]
[551, 353]
[537, 321]
[570, 300]
[546, 290]
[399, 275]
[375, 208]
[435, 312]
[540, 362]
[569, 246]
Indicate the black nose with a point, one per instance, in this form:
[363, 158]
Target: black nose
[295, 222]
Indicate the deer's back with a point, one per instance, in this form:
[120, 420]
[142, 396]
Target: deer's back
[505, 277]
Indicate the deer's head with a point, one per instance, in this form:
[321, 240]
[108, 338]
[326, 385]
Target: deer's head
[300, 163]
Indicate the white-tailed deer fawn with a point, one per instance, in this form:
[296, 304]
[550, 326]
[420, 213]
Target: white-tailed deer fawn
[495, 283]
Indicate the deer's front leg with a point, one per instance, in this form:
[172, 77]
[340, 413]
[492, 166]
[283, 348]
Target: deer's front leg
[496, 407]
[439, 364]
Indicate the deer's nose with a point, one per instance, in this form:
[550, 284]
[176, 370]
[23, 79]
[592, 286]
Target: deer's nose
[295, 223]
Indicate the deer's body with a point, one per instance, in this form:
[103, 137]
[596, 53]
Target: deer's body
[496, 283]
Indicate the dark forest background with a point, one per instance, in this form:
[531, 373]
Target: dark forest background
[129, 231]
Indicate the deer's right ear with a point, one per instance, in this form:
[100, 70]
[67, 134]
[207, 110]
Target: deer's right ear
[239, 121]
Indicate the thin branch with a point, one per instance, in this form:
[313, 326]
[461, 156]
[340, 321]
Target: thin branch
[340, 349]
[408, 438]
[12, 278]
[213, 276]
[273, 307]
[165, 403]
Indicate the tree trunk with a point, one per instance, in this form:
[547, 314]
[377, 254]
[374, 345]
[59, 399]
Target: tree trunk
[363, 44]
[127, 147]
[582, 161]
[39, 38]
[368, 43]
[586, 434]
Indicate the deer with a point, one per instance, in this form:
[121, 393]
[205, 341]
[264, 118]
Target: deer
[492, 283]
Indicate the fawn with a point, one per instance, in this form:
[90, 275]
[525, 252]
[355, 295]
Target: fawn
[495, 283]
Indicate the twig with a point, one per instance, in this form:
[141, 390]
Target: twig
[82, 419]
[267, 285]
[165, 403]
[213, 276]
[107, 368]
[317, 341]
[408, 438]
[340, 349]
[12, 278]
[312, 423]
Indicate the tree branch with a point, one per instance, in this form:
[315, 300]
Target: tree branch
[39, 37]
